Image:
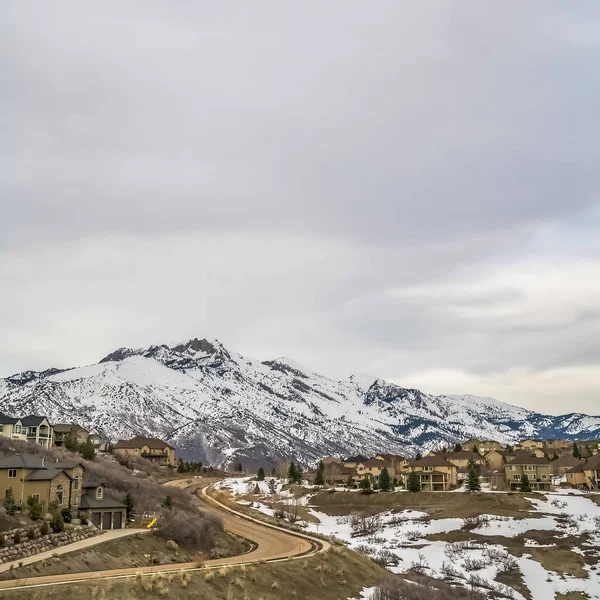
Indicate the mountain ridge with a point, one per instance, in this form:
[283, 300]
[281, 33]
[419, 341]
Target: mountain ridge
[218, 406]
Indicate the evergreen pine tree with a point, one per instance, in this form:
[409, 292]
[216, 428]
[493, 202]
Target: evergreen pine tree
[87, 450]
[320, 476]
[413, 483]
[129, 507]
[167, 502]
[261, 474]
[292, 473]
[385, 481]
[419, 456]
[299, 475]
[473, 484]
[240, 467]
[10, 505]
[525, 485]
[272, 486]
[180, 467]
[475, 450]
[273, 472]
[365, 485]
[457, 447]
[350, 482]
[71, 442]
[576, 452]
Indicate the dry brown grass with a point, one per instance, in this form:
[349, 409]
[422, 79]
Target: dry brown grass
[439, 505]
[349, 574]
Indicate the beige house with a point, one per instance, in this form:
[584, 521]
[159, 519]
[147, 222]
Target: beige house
[44, 482]
[352, 461]
[397, 464]
[468, 445]
[151, 449]
[495, 460]
[38, 430]
[557, 445]
[563, 463]
[371, 468]
[12, 428]
[530, 445]
[487, 446]
[537, 470]
[585, 475]
[328, 460]
[461, 459]
[63, 430]
[435, 473]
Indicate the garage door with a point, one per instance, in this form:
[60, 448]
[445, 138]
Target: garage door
[96, 518]
[117, 520]
[106, 520]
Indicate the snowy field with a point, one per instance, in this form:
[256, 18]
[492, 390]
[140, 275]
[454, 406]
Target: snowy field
[399, 539]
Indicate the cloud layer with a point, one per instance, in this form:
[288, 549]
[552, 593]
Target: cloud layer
[407, 189]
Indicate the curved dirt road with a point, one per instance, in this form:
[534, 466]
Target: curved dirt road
[272, 544]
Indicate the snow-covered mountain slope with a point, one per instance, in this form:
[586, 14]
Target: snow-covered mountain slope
[219, 407]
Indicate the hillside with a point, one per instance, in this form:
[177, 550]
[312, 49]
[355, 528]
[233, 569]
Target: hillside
[218, 406]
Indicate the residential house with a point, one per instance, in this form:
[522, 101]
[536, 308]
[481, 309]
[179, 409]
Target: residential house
[397, 464]
[530, 445]
[63, 430]
[588, 448]
[470, 444]
[495, 460]
[536, 469]
[558, 446]
[328, 460]
[151, 449]
[461, 459]
[11, 427]
[104, 512]
[44, 481]
[38, 430]
[371, 468]
[352, 461]
[585, 475]
[435, 473]
[563, 463]
[487, 446]
[340, 475]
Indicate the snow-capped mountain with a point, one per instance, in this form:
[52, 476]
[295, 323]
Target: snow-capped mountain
[218, 406]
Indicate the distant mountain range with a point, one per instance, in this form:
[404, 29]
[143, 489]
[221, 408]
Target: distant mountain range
[218, 406]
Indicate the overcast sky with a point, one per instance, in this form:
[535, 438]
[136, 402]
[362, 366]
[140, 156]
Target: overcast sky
[406, 189]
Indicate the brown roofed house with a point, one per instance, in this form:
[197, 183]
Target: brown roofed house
[563, 463]
[435, 473]
[151, 449]
[537, 470]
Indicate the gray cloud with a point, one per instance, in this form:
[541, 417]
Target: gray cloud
[354, 186]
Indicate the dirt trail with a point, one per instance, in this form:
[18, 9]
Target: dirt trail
[272, 544]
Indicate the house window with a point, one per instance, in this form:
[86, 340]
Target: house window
[76, 483]
[427, 468]
[516, 477]
[12, 473]
[98, 493]
[17, 429]
[1, 428]
[35, 498]
[59, 493]
[75, 501]
[31, 431]
[512, 468]
[544, 476]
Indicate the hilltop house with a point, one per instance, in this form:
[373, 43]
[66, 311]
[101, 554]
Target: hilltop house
[44, 481]
[352, 461]
[557, 446]
[530, 445]
[81, 435]
[461, 459]
[536, 469]
[470, 444]
[435, 473]
[11, 427]
[151, 449]
[563, 463]
[38, 430]
[585, 475]
[371, 468]
[495, 460]
[486, 446]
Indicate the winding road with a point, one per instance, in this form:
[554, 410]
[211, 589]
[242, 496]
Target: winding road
[272, 543]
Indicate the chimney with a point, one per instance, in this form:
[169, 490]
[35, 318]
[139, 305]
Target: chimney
[43, 461]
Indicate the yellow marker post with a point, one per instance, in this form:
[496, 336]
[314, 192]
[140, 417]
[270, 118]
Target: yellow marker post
[152, 523]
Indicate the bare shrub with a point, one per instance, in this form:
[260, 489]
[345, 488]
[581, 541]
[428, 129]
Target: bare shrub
[420, 565]
[175, 525]
[385, 558]
[425, 589]
[470, 523]
[475, 564]
[364, 524]
[172, 545]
